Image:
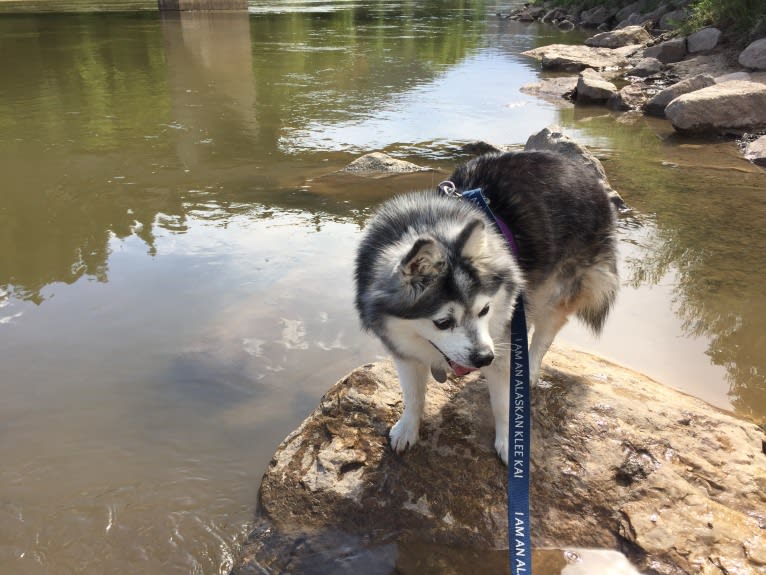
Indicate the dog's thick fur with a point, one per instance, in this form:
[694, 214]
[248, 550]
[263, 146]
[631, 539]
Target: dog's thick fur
[437, 283]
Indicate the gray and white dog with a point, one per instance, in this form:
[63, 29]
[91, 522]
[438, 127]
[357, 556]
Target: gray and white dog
[438, 284]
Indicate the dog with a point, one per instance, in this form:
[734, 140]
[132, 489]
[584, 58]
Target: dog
[438, 284]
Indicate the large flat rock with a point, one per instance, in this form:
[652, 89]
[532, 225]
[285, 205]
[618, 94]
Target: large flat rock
[620, 462]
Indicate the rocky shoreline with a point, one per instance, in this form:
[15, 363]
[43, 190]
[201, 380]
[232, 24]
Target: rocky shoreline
[638, 61]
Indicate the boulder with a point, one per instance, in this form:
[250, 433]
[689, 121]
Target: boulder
[596, 16]
[754, 56]
[755, 151]
[727, 107]
[377, 163]
[553, 138]
[592, 87]
[634, 19]
[655, 15]
[618, 38]
[633, 8]
[646, 67]
[576, 58]
[528, 13]
[703, 40]
[656, 105]
[673, 19]
[619, 462]
[669, 51]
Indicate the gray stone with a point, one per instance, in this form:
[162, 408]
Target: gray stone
[552, 138]
[754, 56]
[646, 67]
[666, 52]
[596, 16]
[618, 462]
[728, 107]
[377, 163]
[755, 151]
[655, 15]
[703, 40]
[672, 20]
[744, 76]
[617, 38]
[592, 87]
[576, 57]
[656, 105]
[634, 20]
[626, 11]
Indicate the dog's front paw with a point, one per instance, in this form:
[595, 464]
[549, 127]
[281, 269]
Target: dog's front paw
[403, 435]
[501, 446]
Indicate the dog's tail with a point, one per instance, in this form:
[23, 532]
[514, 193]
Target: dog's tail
[601, 284]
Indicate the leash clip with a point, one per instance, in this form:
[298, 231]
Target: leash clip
[448, 189]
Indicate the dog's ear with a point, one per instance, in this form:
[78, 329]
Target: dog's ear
[424, 261]
[472, 239]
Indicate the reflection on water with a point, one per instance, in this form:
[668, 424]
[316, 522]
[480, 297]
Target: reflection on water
[176, 252]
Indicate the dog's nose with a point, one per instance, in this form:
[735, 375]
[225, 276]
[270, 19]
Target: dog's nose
[482, 358]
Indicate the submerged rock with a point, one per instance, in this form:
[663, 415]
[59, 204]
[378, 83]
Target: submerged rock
[377, 163]
[618, 462]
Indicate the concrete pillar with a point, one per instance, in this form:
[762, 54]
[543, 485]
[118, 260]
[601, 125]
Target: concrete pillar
[187, 5]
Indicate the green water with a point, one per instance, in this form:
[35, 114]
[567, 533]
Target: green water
[176, 250]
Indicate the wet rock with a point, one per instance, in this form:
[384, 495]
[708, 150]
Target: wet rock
[669, 51]
[377, 163]
[646, 67]
[727, 107]
[576, 58]
[554, 139]
[703, 40]
[618, 462]
[592, 87]
[755, 151]
[656, 105]
[616, 38]
[754, 56]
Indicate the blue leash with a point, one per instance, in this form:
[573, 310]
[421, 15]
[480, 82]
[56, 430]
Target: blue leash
[520, 417]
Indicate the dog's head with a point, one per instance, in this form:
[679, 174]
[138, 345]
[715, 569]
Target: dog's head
[443, 292]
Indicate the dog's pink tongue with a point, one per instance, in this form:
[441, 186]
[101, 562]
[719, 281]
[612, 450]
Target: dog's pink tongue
[460, 370]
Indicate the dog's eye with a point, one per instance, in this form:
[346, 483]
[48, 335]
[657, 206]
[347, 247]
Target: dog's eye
[484, 311]
[445, 323]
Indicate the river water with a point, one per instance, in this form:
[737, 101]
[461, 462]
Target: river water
[176, 249]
